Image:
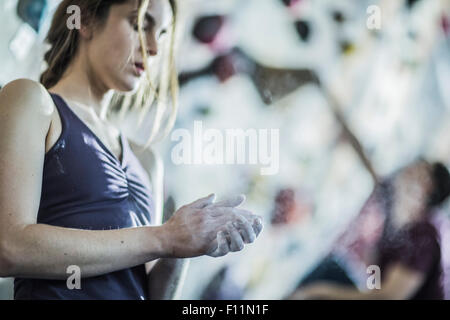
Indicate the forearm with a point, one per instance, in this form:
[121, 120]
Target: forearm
[44, 251]
[166, 279]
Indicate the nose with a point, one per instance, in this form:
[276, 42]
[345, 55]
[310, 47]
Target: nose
[152, 52]
[152, 44]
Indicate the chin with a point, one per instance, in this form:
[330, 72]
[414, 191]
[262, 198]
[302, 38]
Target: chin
[127, 85]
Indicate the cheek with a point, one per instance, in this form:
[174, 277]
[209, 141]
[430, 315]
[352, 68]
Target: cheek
[114, 50]
[116, 46]
[122, 45]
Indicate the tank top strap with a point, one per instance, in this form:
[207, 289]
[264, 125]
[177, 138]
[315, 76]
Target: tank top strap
[64, 113]
[72, 123]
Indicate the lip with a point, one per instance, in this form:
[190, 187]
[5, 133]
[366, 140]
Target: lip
[139, 68]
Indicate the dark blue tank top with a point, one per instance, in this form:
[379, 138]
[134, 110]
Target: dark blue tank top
[85, 186]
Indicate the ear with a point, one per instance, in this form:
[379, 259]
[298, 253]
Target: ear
[86, 32]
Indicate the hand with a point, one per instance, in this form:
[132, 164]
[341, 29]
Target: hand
[201, 227]
[234, 235]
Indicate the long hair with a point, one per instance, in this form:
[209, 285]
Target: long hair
[153, 88]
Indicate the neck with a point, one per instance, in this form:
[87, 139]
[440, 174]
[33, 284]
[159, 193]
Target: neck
[80, 86]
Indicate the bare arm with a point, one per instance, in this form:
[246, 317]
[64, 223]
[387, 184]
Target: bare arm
[401, 283]
[165, 276]
[29, 249]
[166, 279]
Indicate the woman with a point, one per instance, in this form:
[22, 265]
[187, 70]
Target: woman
[73, 194]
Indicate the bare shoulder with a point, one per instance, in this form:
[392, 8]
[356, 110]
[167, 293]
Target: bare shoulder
[24, 96]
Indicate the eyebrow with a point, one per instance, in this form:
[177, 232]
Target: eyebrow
[150, 19]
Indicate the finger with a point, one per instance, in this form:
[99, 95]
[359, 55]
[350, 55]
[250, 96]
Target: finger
[218, 246]
[245, 228]
[257, 225]
[224, 215]
[217, 211]
[212, 248]
[245, 213]
[255, 220]
[203, 202]
[237, 244]
[230, 202]
[222, 246]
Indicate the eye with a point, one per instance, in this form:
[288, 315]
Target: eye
[162, 33]
[145, 27]
[134, 22]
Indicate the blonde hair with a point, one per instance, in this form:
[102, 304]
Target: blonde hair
[154, 87]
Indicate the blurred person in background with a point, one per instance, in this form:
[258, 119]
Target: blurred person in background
[75, 192]
[393, 232]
